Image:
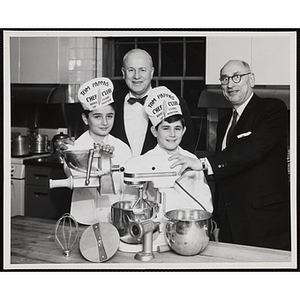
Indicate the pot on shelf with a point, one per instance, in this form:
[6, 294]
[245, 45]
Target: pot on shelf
[39, 144]
[20, 145]
[57, 140]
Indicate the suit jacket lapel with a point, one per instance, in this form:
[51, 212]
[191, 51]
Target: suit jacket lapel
[244, 118]
[119, 129]
[222, 127]
[247, 111]
[122, 125]
[150, 141]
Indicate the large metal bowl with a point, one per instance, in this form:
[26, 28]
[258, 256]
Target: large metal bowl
[188, 230]
[78, 160]
[122, 215]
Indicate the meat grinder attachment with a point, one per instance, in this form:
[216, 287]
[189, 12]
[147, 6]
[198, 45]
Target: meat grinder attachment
[144, 230]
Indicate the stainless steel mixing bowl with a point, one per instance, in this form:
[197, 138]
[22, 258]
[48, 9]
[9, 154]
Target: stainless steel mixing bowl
[78, 160]
[188, 230]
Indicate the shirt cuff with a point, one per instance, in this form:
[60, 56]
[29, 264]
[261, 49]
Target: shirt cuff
[206, 165]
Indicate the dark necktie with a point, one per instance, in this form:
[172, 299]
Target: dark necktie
[234, 118]
[139, 100]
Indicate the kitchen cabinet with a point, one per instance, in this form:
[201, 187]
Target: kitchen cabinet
[268, 55]
[40, 200]
[271, 58]
[39, 60]
[53, 59]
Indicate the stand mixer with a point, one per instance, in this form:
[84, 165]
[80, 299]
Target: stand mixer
[139, 222]
[139, 171]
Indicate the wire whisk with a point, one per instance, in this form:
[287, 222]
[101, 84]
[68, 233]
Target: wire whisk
[66, 233]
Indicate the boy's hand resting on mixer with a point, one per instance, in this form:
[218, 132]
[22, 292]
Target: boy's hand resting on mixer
[65, 142]
[186, 162]
[71, 141]
[108, 148]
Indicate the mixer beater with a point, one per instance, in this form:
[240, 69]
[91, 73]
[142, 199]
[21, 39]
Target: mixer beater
[66, 233]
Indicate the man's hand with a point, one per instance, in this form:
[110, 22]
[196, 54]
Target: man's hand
[186, 162]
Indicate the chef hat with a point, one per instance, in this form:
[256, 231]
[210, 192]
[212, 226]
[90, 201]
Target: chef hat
[160, 104]
[96, 93]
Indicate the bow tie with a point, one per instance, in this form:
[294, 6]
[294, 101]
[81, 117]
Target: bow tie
[139, 100]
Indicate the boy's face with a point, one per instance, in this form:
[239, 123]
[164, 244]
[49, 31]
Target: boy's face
[169, 135]
[100, 120]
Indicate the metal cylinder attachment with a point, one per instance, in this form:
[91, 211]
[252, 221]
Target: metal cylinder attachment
[144, 230]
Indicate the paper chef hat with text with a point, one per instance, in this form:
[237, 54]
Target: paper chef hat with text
[160, 104]
[96, 93]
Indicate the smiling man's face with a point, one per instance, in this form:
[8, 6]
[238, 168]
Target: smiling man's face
[138, 73]
[237, 93]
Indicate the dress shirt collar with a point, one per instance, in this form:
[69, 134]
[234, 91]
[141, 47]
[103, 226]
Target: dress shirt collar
[104, 140]
[129, 95]
[164, 151]
[241, 108]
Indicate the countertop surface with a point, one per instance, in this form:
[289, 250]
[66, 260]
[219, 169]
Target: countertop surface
[46, 161]
[33, 246]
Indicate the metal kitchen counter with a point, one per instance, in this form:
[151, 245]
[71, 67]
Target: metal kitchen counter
[44, 161]
[33, 246]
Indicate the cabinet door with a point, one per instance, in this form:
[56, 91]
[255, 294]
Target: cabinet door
[37, 175]
[39, 60]
[40, 175]
[41, 202]
[54, 59]
[222, 49]
[14, 59]
[271, 60]
[268, 55]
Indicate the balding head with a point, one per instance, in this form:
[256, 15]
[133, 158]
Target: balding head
[137, 53]
[138, 71]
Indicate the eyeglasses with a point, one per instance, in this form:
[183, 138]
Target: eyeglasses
[235, 78]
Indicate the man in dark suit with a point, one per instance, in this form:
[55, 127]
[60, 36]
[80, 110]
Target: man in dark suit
[251, 204]
[132, 125]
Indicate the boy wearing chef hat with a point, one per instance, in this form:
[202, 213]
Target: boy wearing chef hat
[163, 108]
[96, 98]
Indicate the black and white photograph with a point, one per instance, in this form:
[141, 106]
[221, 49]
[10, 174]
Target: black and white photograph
[150, 150]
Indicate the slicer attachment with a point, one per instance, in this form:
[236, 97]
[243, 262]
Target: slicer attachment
[106, 184]
[86, 169]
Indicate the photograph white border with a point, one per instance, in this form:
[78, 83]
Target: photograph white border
[108, 33]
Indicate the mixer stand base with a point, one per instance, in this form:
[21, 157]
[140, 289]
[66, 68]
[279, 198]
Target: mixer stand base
[142, 256]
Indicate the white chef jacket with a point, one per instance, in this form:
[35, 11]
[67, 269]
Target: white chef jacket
[88, 206]
[194, 182]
